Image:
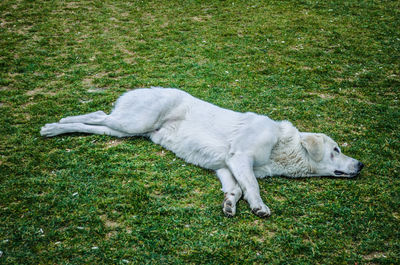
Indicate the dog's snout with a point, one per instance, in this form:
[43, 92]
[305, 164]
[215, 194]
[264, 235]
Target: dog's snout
[360, 166]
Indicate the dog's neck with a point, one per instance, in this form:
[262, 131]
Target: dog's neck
[288, 157]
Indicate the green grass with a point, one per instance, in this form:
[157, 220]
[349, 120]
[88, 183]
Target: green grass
[327, 66]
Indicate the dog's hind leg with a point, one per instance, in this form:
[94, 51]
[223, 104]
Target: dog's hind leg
[90, 118]
[53, 129]
[138, 124]
[231, 190]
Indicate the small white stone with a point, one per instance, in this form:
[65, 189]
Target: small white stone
[95, 248]
[75, 194]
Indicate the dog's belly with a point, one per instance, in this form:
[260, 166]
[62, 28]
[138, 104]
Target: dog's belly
[192, 143]
[198, 132]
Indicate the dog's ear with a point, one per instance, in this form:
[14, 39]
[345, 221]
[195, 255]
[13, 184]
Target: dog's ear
[314, 144]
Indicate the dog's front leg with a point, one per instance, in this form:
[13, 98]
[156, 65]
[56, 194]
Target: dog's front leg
[231, 189]
[241, 165]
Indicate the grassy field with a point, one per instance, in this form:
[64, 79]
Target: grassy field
[327, 66]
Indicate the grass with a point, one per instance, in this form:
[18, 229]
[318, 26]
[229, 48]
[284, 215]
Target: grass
[327, 66]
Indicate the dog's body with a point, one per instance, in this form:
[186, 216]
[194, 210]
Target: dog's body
[238, 146]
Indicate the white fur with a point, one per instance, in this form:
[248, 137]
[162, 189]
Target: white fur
[238, 146]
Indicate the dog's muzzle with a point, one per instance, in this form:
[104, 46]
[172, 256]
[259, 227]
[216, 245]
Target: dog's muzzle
[358, 167]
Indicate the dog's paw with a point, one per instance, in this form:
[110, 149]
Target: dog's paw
[261, 211]
[228, 207]
[50, 130]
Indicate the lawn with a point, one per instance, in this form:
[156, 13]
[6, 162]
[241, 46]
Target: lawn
[327, 66]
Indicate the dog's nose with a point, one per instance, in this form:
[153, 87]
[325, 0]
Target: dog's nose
[360, 166]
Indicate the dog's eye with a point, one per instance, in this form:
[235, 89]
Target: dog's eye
[336, 150]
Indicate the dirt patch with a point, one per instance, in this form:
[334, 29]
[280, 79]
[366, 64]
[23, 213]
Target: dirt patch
[298, 48]
[374, 255]
[198, 19]
[149, 16]
[201, 19]
[280, 199]
[396, 215]
[27, 116]
[126, 51]
[96, 90]
[109, 223]
[113, 143]
[40, 90]
[323, 95]
[162, 153]
[73, 5]
[111, 234]
[88, 81]
[3, 23]
[35, 91]
[340, 80]
[266, 234]
[365, 101]
[83, 101]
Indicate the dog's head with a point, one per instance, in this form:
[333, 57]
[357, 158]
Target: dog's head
[326, 157]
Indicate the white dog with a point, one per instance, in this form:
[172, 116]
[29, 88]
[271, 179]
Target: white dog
[240, 147]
